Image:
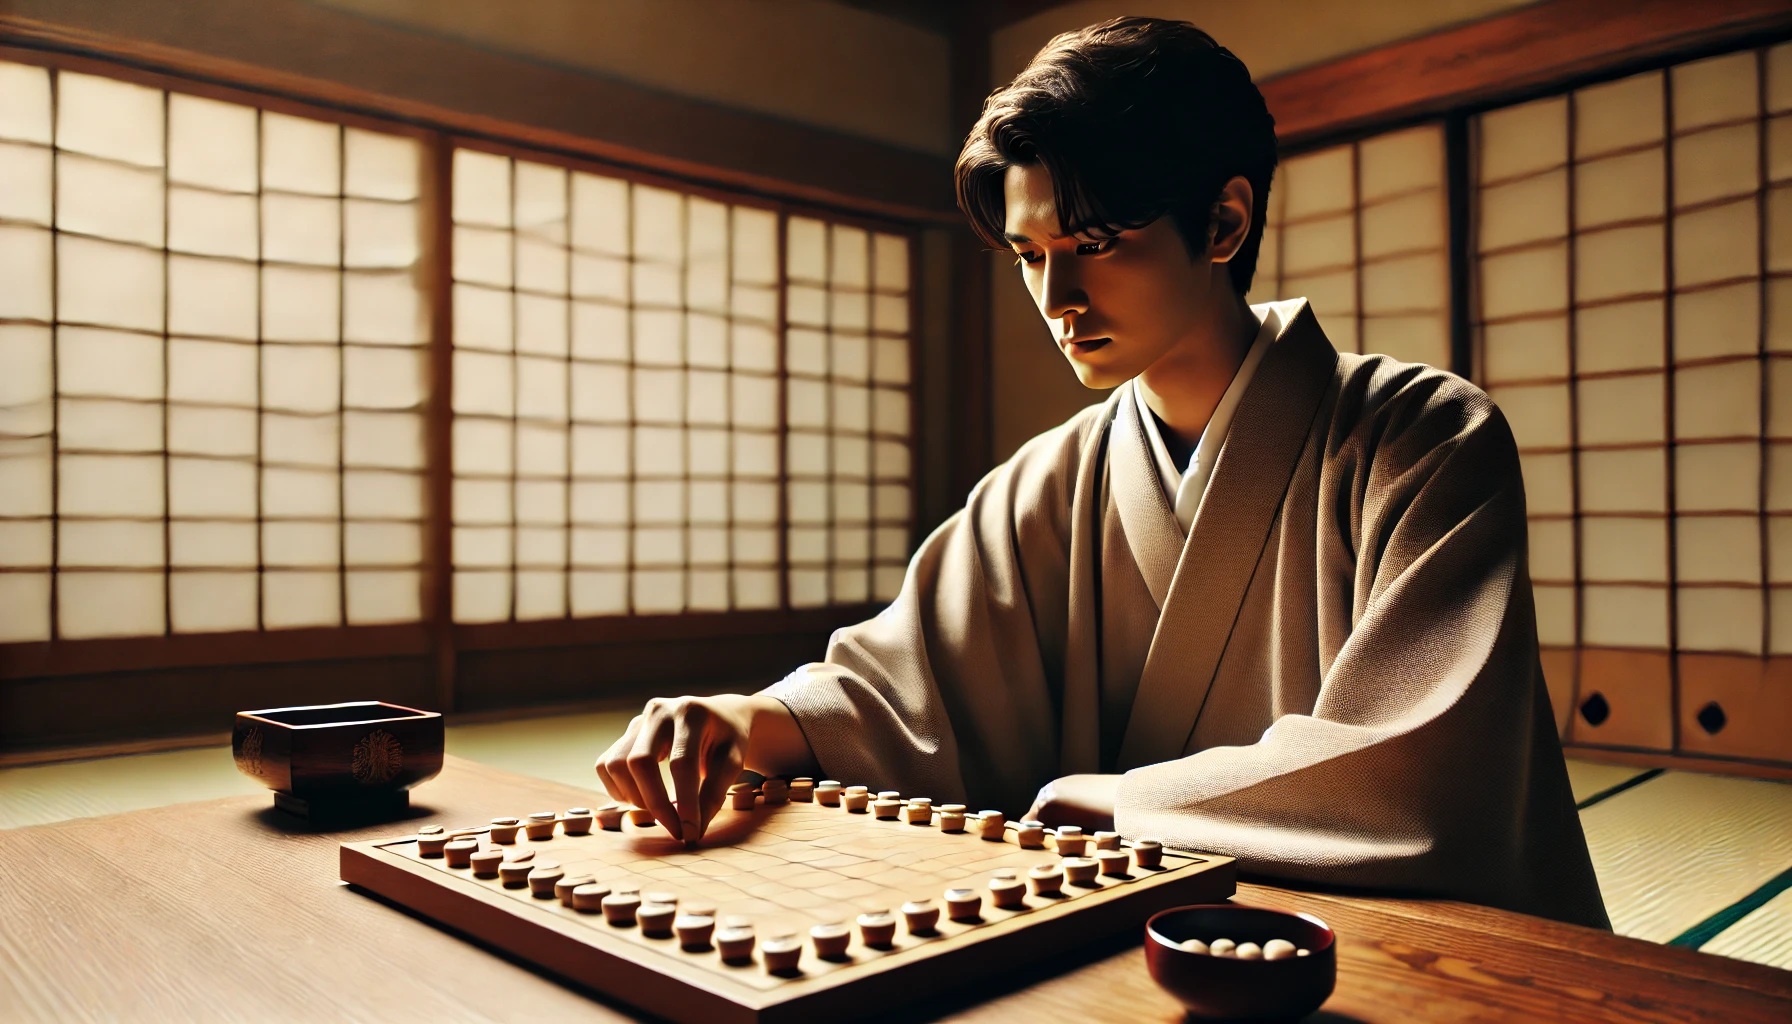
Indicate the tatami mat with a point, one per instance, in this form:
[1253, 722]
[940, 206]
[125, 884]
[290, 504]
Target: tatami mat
[1681, 847]
[563, 748]
[1764, 936]
[1589, 779]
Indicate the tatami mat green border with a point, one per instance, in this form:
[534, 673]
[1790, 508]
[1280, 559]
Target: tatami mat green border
[1708, 929]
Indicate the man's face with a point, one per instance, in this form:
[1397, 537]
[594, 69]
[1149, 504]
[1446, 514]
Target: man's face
[1115, 306]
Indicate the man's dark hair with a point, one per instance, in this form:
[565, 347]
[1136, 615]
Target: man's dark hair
[1134, 118]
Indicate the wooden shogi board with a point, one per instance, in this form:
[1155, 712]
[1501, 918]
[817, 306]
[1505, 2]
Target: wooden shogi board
[784, 869]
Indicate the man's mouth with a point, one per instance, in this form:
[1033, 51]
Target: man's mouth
[1083, 348]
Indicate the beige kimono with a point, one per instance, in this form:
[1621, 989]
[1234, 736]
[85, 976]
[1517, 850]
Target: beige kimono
[1334, 678]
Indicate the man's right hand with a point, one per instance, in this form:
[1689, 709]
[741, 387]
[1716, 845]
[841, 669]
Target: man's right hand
[706, 741]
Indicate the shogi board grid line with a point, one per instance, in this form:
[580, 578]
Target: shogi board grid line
[786, 868]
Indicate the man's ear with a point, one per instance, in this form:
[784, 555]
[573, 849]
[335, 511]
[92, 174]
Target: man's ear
[1230, 221]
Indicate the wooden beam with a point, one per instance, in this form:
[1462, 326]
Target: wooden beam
[972, 382]
[1547, 47]
[311, 53]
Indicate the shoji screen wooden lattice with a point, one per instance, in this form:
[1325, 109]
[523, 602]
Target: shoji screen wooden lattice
[1362, 231]
[665, 402]
[210, 365]
[1634, 315]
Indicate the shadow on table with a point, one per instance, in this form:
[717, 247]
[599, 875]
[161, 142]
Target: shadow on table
[277, 820]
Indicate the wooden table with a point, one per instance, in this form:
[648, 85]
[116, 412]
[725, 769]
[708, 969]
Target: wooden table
[227, 910]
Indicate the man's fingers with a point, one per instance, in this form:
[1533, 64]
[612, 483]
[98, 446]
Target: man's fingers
[721, 767]
[644, 768]
[686, 770]
[612, 767]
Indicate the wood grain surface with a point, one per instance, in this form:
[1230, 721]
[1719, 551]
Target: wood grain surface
[226, 910]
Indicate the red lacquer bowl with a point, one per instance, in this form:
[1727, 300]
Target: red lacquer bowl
[1223, 988]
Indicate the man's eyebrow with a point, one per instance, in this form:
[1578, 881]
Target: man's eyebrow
[1077, 230]
[1012, 237]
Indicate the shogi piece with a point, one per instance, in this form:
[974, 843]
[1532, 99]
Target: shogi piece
[485, 863]
[515, 873]
[802, 790]
[565, 887]
[694, 930]
[460, 852]
[922, 916]
[640, 817]
[782, 953]
[888, 794]
[856, 801]
[775, 791]
[951, 817]
[431, 845]
[735, 943]
[1007, 891]
[1107, 840]
[656, 918]
[577, 821]
[1046, 879]
[590, 897]
[741, 796]
[1030, 835]
[430, 830]
[827, 793]
[1080, 870]
[542, 879]
[520, 856]
[918, 812]
[669, 899]
[1147, 853]
[619, 908]
[504, 830]
[1071, 842]
[991, 825]
[540, 825]
[830, 940]
[964, 904]
[877, 929]
[886, 810]
[1113, 862]
[609, 816]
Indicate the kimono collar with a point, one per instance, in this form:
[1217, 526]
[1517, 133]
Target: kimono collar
[1206, 591]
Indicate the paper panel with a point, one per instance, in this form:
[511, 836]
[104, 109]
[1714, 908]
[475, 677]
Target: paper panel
[300, 378]
[96, 283]
[1552, 549]
[89, 424]
[109, 118]
[1424, 338]
[109, 485]
[658, 592]
[203, 430]
[1525, 349]
[379, 166]
[805, 454]
[755, 245]
[382, 308]
[300, 155]
[1527, 210]
[25, 183]
[109, 363]
[1319, 245]
[541, 449]
[1621, 336]
[1718, 401]
[1620, 188]
[1401, 161]
[293, 545]
[98, 197]
[1619, 262]
[96, 604]
[299, 493]
[1716, 164]
[849, 311]
[658, 396]
[212, 602]
[383, 440]
[542, 502]
[1714, 90]
[482, 446]
[213, 298]
[1523, 139]
[889, 263]
[300, 304]
[1622, 410]
[377, 597]
[658, 221]
[1716, 244]
[482, 256]
[805, 249]
[481, 189]
[541, 388]
[1404, 225]
[850, 257]
[25, 543]
[109, 545]
[1615, 115]
[379, 234]
[1317, 183]
[1617, 550]
[659, 501]
[382, 495]
[25, 477]
[1720, 619]
[852, 457]
[1718, 549]
[1717, 322]
[1538, 413]
[25, 273]
[755, 454]
[658, 337]
[1632, 480]
[215, 545]
[213, 488]
[211, 224]
[605, 503]
[211, 143]
[24, 103]
[1406, 284]
[541, 266]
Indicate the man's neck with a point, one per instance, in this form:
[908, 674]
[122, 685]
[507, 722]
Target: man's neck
[1184, 386]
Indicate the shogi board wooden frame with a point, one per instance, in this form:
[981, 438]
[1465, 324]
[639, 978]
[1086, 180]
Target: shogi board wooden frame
[785, 868]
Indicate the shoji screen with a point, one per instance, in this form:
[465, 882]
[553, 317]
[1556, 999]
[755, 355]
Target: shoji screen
[1632, 241]
[630, 434]
[210, 365]
[1361, 230]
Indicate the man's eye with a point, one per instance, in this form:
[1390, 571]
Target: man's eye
[1030, 257]
[1095, 248]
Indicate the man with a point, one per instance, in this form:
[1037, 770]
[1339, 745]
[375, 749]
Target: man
[1266, 600]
